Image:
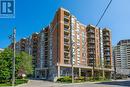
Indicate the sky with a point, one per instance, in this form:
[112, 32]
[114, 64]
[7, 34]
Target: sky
[33, 15]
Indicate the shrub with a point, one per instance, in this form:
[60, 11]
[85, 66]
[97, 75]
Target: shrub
[78, 81]
[89, 78]
[64, 79]
[21, 81]
[81, 78]
[60, 80]
[98, 78]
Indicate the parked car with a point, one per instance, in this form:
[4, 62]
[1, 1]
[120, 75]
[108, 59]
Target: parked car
[129, 76]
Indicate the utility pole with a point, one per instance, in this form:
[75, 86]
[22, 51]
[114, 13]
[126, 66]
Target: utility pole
[72, 65]
[72, 73]
[93, 69]
[103, 74]
[14, 41]
[114, 65]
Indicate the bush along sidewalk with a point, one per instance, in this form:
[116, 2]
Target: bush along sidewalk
[17, 82]
[68, 79]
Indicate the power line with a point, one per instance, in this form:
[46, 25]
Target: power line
[104, 13]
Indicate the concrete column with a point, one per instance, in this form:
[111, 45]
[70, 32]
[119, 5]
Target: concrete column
[58, 71]
[79, 71]
[92, 73]
[45, 73]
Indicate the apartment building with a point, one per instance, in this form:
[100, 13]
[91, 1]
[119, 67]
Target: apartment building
[43, 62]
[65, 43]
[121, 54]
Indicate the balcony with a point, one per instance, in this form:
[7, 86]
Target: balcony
[108, 54]
[106, 34]
[46, 35]
[91, 36]
[91, 58]
[78, 44]
[46, 49]
[66, 51]
[66, 31]
[108, 59]
[66, 37]
[66, 24]
[91, 52]
[35, 46]
[23, 42]
[107, 49]
[91, 42]
[106, 44]
[66, 18]
[66, 61]
[66, 45]
[66, 13]
[106, 39]
[66, 54]
[91, 31]
[22, 45]
[66, 58]
[91, 47]
[66, 40]
[35, 41]
[46, 42]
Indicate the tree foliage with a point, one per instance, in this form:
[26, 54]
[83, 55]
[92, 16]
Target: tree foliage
[5, 65]
[23, 64]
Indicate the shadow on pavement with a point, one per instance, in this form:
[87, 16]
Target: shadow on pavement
[118, 83]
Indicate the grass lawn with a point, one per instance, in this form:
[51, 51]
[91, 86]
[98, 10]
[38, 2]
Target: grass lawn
[17, 82]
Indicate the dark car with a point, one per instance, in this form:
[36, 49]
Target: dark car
[129, 76]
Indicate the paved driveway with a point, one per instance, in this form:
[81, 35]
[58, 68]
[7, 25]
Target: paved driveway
[40, 83]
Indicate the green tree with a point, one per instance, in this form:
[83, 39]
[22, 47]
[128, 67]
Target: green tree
[5, 65]
[23, 64]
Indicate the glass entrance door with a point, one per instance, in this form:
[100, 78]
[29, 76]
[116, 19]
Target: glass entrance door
[43, 74]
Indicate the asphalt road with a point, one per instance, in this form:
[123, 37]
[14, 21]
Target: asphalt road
[40, 83]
